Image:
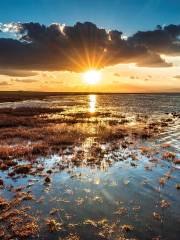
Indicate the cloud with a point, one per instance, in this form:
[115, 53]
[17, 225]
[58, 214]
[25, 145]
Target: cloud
[134, 77]
[82, 46]
[177, 76]
[4, 83]
[117, 75]
[17, 73]
[162, 40]
[27, 80]
[10, 27]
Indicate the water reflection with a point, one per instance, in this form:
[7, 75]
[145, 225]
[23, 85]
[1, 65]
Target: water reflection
[92, 103]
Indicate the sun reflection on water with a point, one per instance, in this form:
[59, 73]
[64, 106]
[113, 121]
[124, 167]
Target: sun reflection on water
[92, 103]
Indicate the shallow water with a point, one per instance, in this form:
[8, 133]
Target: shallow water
[135, 103]
[95, 202]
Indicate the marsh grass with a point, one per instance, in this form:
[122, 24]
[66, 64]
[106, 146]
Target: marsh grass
[27, 132]
[15, 220]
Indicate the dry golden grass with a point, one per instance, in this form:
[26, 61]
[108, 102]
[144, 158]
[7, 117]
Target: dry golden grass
[26, 133]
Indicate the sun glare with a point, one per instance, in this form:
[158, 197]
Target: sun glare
[92, 76]
[92, 103]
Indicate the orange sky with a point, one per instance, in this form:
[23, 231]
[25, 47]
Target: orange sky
[118, 78]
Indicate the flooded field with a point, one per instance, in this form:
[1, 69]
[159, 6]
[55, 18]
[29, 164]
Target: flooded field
[90, 167]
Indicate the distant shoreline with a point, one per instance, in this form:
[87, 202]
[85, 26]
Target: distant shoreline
[11, 96]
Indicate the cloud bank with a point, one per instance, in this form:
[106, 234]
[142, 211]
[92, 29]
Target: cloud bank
[82, 46]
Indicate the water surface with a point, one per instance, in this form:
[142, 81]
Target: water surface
[96, 201]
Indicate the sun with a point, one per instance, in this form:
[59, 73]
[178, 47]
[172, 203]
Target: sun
[92, 76]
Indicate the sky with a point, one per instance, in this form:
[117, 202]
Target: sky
[55, 55]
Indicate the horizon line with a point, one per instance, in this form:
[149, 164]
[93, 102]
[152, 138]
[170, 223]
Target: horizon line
[80, 92]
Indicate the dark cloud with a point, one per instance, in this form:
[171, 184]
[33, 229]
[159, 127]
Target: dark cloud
[83, 46]
[164, 40]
